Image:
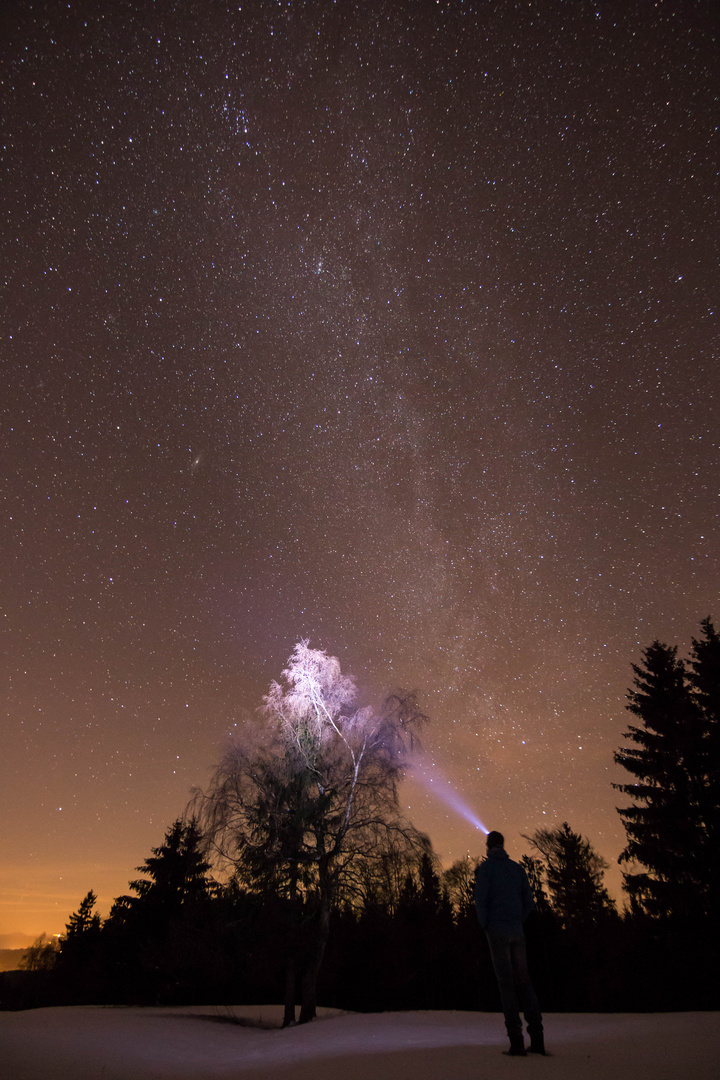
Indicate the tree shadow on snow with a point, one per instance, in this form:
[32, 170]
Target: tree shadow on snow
[227, 1016]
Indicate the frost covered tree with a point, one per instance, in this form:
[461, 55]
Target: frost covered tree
[673, 757]
[304, 803]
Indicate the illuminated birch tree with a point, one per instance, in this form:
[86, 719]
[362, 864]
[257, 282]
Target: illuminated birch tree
[304, 803]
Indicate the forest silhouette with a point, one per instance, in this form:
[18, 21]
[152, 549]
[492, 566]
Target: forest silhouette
[294, 877]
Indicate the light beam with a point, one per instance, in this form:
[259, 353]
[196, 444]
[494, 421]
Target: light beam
[442, 789]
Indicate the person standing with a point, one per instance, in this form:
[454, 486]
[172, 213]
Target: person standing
[503, 901]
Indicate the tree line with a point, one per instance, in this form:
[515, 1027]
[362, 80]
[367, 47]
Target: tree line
[295, 876]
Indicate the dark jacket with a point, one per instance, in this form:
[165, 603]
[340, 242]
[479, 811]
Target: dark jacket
[503, 897]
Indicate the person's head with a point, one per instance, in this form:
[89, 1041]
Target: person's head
[495, 839]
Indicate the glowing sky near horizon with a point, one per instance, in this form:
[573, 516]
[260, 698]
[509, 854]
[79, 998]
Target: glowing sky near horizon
[391, 325]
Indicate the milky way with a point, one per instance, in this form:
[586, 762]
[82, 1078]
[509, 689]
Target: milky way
[389, 325]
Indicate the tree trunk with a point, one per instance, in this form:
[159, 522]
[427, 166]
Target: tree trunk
[289, 1015]
[290, 970]
[308, 1006]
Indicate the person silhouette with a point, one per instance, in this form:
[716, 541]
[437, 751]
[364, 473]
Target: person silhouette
[503, 901]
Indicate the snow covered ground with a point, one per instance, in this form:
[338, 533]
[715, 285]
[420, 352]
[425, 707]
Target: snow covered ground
[211, 1043]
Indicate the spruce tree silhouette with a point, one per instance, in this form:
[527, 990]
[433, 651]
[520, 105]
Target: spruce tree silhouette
[151, 938]
[573, 873]
[672, 826]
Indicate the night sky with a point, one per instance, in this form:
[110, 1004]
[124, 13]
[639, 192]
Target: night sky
[386, 324]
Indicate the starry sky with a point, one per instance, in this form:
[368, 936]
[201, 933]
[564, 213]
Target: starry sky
[386, 324]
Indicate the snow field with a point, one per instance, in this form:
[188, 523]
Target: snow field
[214, 1043]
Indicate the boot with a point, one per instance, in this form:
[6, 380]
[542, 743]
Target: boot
[537, 1045]
[517, 1047]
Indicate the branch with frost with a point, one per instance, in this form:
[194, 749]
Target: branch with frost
[311, 793]
[315, 701]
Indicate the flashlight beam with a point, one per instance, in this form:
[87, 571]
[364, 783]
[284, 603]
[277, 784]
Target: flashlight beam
[443, 790]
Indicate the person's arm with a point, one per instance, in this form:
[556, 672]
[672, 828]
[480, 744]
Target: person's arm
[482, 894]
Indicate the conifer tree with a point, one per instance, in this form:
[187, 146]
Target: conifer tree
[705, 684]
[83, 921]
[153, 938]
[432, 895]
[573, 874]
[672, 758]
[80, 941]
[177, 870]
[534, 868]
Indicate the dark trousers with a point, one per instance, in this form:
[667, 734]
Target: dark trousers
[516, 991]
